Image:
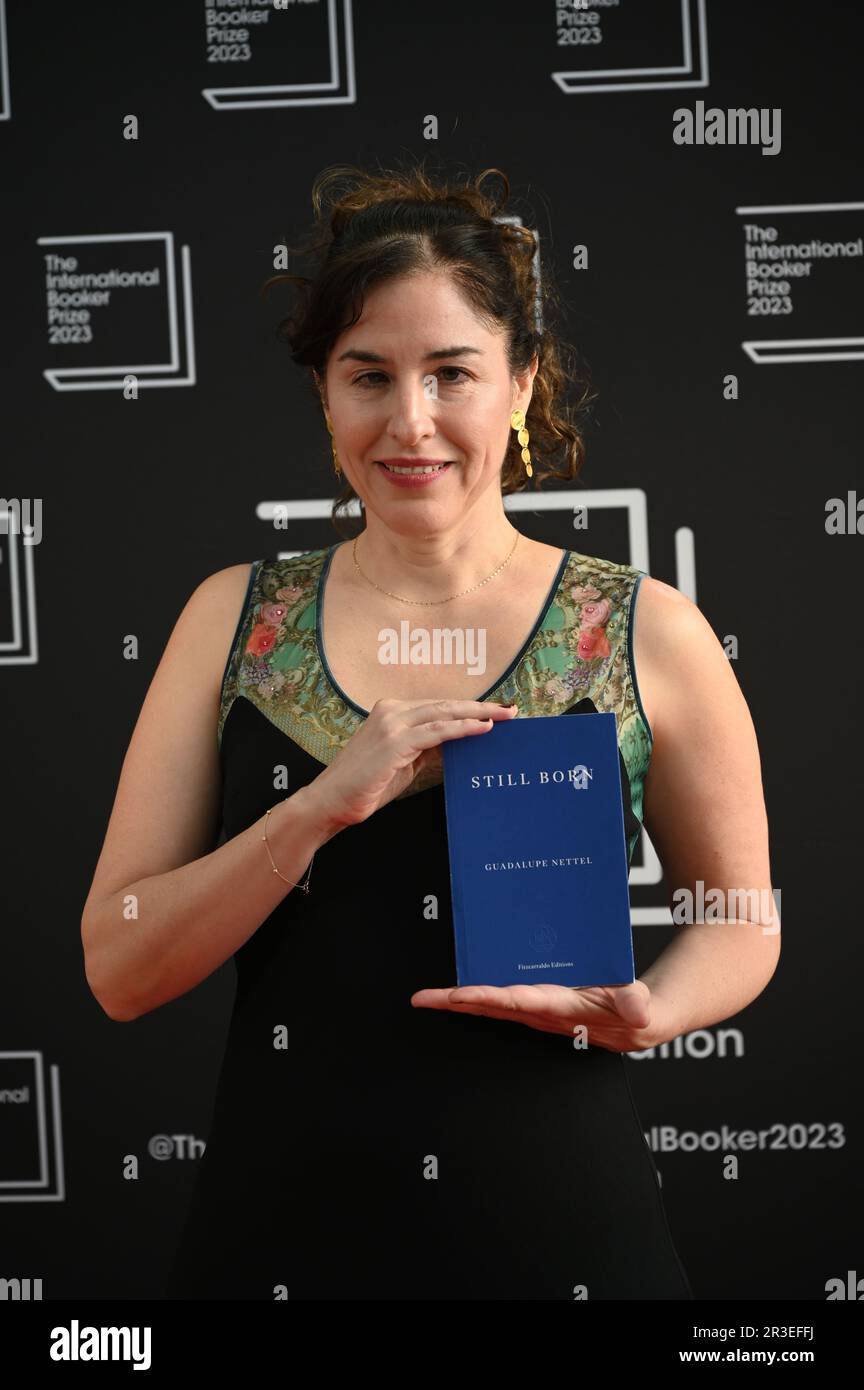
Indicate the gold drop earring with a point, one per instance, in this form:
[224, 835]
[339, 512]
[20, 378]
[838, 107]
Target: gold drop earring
[517, 420]
[336, 464]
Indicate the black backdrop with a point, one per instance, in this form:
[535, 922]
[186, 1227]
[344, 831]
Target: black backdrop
[722, 493]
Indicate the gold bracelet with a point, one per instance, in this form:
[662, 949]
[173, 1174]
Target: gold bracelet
[304, 885]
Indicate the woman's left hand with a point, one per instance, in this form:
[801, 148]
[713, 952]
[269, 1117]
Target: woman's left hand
[620, 1018]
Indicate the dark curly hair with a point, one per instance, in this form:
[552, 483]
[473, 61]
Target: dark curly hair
[375, 227]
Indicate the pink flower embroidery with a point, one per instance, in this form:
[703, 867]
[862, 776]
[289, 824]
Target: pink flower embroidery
[261, 639]
[592, 642]
[271, 685]
[273, 613]
[557, 689]
[581, 592]
[595, 614]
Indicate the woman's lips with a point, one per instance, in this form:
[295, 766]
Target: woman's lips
[413, 479]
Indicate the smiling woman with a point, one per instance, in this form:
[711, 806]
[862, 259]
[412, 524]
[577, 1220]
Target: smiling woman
[368, 1111]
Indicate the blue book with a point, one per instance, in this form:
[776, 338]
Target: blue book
[538, 857]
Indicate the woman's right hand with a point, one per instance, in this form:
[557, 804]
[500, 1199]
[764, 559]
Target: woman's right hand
[397, 740]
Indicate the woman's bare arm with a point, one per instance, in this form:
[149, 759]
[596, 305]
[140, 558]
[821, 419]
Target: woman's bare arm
[705, 814]
[163, 913]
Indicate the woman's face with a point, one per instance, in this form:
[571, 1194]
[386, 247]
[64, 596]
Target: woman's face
[419, 379]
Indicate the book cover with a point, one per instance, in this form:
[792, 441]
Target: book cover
[538, 856]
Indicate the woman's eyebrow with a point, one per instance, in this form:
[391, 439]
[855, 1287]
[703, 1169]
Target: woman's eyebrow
[363, 355]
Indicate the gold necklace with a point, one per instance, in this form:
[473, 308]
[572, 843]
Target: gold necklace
[431, 603]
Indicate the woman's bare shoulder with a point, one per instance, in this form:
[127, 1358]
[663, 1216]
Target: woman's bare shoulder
[214, 609]
[675, 649]
[704, 805]
[664, 618]
[223, 586]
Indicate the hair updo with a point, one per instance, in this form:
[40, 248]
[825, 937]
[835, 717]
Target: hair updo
[375, 227]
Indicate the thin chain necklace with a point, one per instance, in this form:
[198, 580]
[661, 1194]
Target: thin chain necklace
[431, 603]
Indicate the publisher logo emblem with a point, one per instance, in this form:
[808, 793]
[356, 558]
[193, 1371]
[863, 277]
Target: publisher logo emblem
[542, 937]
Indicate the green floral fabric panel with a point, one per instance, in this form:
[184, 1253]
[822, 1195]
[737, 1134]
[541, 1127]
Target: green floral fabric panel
[274, 662]
[582, 648]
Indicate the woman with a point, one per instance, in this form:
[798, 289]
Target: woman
[377, 1132]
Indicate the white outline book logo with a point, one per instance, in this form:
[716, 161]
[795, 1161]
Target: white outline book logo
[336, 55]
[180, 336]
[690, 71]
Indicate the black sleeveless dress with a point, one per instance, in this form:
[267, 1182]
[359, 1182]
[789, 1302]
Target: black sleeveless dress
[361, 1148]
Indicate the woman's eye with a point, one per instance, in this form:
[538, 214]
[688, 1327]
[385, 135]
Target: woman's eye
[461, 371]
[366, 378]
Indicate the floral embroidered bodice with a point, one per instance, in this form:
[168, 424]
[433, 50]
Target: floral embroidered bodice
[581, 645]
